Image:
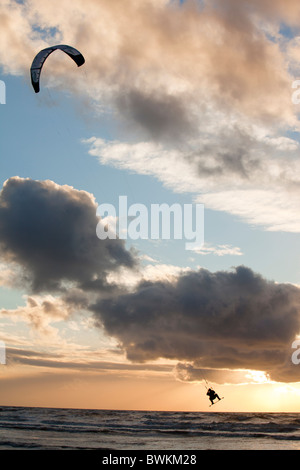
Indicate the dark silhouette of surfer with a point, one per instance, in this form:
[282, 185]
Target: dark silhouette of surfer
[212, 395]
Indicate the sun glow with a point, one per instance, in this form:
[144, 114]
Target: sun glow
[257, 376]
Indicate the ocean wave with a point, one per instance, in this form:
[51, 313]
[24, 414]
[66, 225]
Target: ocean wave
[50, 428]
[228, 431]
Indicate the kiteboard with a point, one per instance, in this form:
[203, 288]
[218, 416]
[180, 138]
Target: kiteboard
[222, 398]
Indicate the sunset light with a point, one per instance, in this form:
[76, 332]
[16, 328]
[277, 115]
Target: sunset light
[150, 221]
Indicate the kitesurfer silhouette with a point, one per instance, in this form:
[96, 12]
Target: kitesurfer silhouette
[212, 395]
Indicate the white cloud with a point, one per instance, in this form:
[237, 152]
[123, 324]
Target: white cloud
[246, 172]
[205, 96]
[270, 209]
[150, 272]
[218, 250]
[40, 312]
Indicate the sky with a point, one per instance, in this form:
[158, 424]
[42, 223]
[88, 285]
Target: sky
[189, 103]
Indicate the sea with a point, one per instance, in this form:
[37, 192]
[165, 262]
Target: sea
[160, 433]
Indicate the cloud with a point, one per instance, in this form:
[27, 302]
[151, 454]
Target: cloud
[204, 94]
[243, 171]
[219, 321]
[171, 62]
[222, 320]
[49, 233]
[219, 250]
[187, 372]
[85, 363]
[40, 312]
[270, 209]
[164, 116]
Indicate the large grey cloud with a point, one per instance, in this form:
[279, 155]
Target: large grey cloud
[49, 232]
[221, 322]
[158, 115]
[233, 320]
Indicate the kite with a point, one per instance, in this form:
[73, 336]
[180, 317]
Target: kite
[38, 62]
